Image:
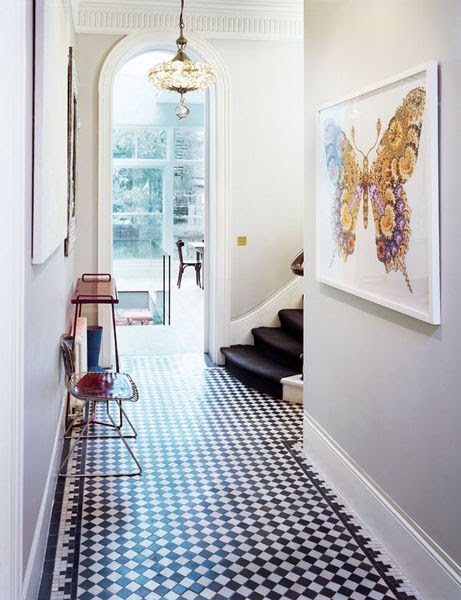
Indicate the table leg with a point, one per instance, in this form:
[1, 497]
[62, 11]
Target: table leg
[117, 365]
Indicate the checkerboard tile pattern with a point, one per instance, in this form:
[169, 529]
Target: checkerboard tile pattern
[227, 506]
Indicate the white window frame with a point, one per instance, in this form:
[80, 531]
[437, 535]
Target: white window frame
[167, 165]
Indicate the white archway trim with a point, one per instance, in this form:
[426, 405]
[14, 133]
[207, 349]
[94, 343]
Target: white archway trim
[218, 288]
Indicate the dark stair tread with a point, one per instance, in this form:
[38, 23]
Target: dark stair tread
[254, 369]
[249, 358]
[279, 339]
[274, 356]
[292, 321]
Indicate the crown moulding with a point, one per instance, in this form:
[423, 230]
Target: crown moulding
[232, 19]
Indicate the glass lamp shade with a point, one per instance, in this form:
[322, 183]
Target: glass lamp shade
[181, 74]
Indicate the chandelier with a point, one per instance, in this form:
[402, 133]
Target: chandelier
[181, 74]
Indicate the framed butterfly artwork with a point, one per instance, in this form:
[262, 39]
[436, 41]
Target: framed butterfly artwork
[377, 221]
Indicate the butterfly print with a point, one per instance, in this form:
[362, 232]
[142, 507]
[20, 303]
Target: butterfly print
[382, 184]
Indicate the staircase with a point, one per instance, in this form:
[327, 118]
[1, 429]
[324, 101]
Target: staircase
[276, 354]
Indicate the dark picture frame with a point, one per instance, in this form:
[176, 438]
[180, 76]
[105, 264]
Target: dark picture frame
[72, 155]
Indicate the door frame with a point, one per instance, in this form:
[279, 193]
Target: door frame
[217, 167]
[16, 172]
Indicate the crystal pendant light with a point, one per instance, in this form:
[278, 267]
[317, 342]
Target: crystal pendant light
[181, 74]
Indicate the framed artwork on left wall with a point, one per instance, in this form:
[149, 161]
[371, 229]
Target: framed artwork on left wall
[377, 224]
[72, 173]
[49, 228]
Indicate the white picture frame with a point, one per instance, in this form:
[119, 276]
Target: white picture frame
[49, 227]
[394, 261]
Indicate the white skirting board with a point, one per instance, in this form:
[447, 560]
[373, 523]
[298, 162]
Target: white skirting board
[430, 570]
[33, 574]
[293, 387]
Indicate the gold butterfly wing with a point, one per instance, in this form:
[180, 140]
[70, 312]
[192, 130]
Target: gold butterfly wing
[395, 163]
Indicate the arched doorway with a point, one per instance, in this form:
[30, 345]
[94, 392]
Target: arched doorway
[159, 188]
[217, 222]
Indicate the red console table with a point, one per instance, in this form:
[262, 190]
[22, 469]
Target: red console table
[96, 288]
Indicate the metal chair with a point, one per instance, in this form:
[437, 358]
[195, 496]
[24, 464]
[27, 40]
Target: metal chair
[182, 265]
[95, 388]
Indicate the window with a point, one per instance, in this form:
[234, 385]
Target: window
[158, 183]
[189, 144]
[188, 185]
[188, 201]
[139, 142]
[137, 211]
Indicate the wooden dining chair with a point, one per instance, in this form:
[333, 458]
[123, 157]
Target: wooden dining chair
[183, 264]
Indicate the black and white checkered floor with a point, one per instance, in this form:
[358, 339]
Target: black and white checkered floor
[227, 506]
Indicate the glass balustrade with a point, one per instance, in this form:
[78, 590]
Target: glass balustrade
[142, 269]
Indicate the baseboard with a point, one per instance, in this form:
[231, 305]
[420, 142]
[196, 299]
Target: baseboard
[293, 387]
[433, 573]
[266, 313]
[33, 574]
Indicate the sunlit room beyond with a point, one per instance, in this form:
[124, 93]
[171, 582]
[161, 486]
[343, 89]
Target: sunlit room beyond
[158, 191]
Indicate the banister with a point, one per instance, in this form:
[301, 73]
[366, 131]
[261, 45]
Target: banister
[297, 264]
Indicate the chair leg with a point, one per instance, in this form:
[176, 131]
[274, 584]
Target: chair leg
[181, 271]
[72, 447]
[82, 436]
[90, 417]
[198, 269]
[73, 422]
[125, 442]
[132, 436]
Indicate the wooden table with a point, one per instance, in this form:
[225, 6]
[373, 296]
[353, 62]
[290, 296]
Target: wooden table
[199, 248]
[94, 288]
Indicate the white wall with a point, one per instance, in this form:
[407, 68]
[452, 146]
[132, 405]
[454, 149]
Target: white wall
[266, 165]
[47, 289]
[92, 50]
[266, 159]
[384, 386]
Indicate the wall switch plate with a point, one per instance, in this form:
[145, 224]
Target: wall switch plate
[241, 240]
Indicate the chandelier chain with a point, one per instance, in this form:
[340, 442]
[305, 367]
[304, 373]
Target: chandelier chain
[181, 20]
[181, 42]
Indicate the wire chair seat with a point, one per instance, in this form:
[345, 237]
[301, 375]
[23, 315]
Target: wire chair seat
[102, 387]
